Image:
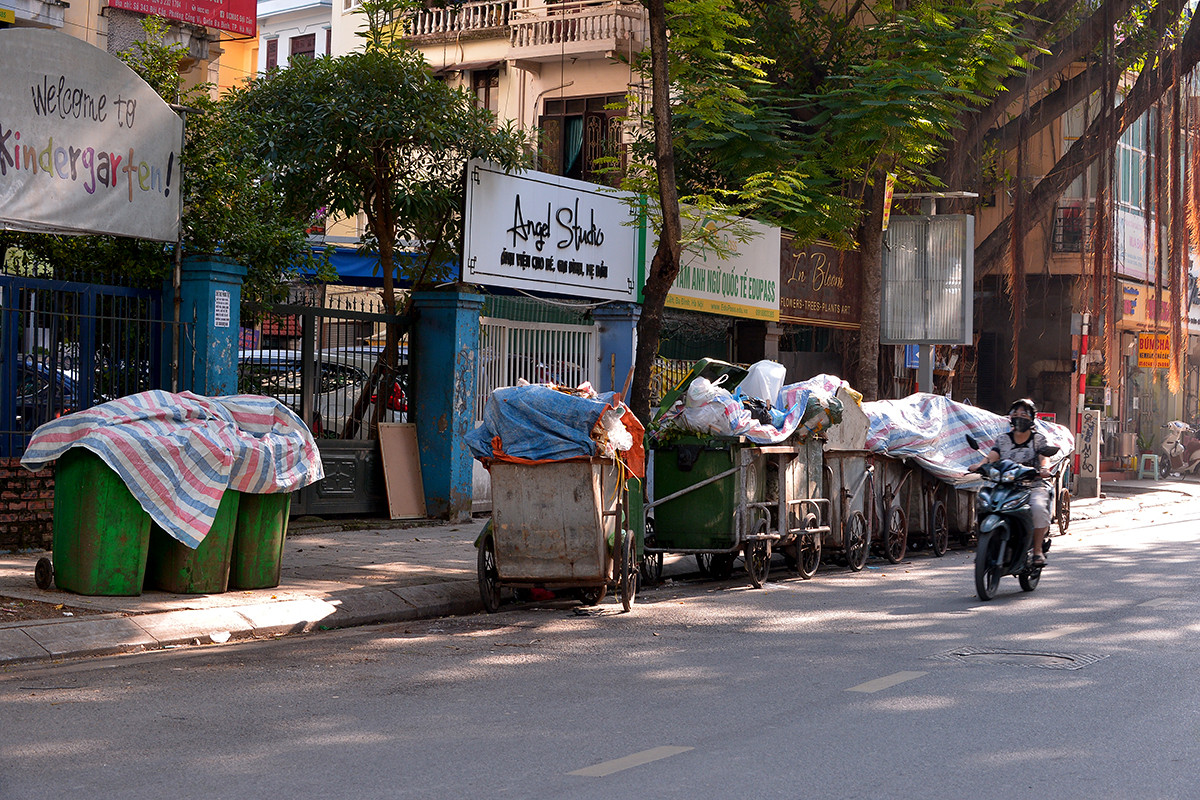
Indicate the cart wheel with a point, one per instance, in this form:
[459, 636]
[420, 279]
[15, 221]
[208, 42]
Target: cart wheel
[717, 566]
[629, 570]
[808, 549]
[1063, 512]
[43, 573]
[939, 537]
[758, 562]
[856, 539]
[592, 595]
[652, 563]
[895, 542]
[489, 576]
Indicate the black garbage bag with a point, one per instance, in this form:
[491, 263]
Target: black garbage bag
[758, 408]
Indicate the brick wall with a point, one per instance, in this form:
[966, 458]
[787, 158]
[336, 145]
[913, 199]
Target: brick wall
[26, 506]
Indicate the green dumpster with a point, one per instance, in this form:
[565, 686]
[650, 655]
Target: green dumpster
[101, 534]
[175, 567]
[258, 540]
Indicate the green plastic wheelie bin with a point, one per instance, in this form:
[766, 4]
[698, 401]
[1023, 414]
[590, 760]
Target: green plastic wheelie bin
[175, 567]
[101, 533]
[258, 540]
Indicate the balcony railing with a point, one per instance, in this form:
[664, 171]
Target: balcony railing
[591, 27]
[460, 18]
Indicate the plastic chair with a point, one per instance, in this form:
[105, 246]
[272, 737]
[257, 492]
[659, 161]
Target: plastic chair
[1144, 466]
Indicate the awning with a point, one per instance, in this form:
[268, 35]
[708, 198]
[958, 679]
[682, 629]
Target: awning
[466, 66]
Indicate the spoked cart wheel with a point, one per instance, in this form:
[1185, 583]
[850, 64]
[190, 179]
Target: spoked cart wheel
[939, 535]
[489, 576]
[856, 539]
[808, 549]
[652, 563]
[1063, 512]
[895, 541]
[43, 573]
[627, 587]
[715, 565]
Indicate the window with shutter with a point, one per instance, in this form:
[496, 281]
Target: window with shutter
[305, 46]
[272, 53]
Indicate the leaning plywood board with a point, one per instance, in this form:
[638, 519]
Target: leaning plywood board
[402, 470]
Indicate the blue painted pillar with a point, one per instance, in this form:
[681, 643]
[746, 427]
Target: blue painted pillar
[445, 352]
[617, 325]
[211, 290]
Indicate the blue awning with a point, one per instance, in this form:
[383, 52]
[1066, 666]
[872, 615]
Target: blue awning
[357, 269]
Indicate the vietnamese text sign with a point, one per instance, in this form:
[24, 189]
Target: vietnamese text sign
[743, 284]
[235, 16]
[1154, 350]
[86, 146]
[819, 285]
[542, 232]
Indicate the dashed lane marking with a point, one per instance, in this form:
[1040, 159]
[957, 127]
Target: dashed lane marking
[1061, 630]
[628, 762]
[886, 682]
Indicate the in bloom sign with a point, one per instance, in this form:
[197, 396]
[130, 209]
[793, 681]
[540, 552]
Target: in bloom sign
[86, 146]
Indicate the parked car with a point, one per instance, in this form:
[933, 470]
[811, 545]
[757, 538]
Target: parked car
[342, 376]
[43, 394]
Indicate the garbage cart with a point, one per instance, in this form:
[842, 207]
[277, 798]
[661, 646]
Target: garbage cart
[561, 525]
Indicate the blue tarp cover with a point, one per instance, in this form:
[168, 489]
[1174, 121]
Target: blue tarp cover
[537, 423]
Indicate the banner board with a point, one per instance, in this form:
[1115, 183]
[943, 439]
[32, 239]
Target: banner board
[745, 283]
[235, 16]
[1154, 351]
[86, 146]
[819, 285]
[542, 232]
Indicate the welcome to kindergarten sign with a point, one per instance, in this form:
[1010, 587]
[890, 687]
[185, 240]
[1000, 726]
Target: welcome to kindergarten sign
[86, 146]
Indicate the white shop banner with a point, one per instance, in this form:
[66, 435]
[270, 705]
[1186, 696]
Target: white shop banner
[86, 146]
[541, 232]
[745, 283]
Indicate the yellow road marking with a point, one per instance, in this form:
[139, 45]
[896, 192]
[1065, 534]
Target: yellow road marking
[628, 762]
[886, 682]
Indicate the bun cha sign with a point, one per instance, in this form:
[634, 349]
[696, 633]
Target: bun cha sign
[536, 231]
[86, 146]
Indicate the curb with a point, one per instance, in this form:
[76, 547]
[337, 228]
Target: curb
[113, 634]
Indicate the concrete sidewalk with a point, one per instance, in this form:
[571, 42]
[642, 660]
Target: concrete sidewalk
[336, 574]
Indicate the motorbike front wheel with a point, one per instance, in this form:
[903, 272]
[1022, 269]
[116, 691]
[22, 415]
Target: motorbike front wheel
[987, 566]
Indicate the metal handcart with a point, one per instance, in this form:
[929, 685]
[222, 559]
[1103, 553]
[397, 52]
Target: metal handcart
[562, 525]
[720, 498]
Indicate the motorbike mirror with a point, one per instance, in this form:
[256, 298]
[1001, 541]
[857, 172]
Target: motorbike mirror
[974, 445]
[1048, 450]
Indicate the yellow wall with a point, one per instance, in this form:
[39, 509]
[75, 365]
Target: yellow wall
[237, 63]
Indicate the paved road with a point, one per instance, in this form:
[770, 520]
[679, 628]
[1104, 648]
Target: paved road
[895, 683]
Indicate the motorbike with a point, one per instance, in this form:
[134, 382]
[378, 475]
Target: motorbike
[1182, 449]
[1005, 534]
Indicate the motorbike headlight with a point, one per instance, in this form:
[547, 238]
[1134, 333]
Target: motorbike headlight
[1011, 473]
[1015, 501]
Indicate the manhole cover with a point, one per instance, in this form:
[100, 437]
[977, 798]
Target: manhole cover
[1019, 658]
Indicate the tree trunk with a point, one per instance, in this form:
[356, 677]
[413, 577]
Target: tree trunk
[664, 267]
[870, 243]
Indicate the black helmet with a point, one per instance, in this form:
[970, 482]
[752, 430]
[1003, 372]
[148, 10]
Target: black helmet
[1026, 404]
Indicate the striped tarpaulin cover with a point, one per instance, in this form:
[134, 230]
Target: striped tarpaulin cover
[932, 430]
[178, 453]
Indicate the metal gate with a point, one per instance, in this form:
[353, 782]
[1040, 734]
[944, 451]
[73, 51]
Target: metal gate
[539, 352]
[66, 346]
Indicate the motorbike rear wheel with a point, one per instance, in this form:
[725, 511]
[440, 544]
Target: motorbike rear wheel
[987, 567]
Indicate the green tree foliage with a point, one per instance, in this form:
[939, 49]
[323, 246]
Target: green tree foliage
[373, 131]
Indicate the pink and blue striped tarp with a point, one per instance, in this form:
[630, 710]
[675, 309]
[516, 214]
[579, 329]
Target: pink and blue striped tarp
[932, 430]
[178, 453]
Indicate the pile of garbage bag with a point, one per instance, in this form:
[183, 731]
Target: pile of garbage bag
[759, 407]
[539, 423]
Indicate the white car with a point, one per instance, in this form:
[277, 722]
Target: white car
[342, 376]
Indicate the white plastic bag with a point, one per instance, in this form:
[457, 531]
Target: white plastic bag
[702, 390]
[763, 380]
[616, 436]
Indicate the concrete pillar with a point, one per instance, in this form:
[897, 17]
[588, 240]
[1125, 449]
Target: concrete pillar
[444, 352]
[616, 324]
[211, 292]
[771, 341]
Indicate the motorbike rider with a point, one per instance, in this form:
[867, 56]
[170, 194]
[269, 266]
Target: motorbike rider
[1021, 445]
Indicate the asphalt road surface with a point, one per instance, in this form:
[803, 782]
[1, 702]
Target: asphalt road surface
[896, 682]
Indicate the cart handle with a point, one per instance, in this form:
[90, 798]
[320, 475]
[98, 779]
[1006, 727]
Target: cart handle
[692, 488]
